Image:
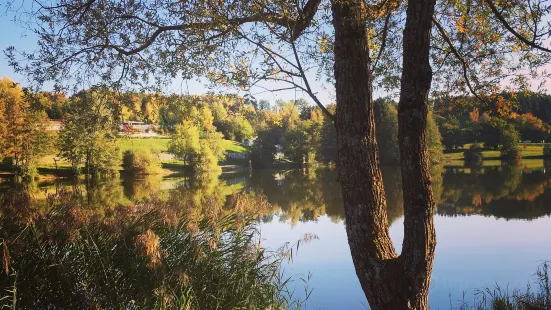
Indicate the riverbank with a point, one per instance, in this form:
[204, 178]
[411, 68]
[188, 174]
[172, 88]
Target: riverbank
[51, 166]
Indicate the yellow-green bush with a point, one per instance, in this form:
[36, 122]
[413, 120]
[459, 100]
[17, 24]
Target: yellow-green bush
[141, 162]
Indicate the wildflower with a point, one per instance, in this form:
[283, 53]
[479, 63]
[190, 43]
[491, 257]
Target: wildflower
[131, 208]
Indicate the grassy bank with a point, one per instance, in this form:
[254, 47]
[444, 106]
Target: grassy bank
[531, 153]
[47, 164]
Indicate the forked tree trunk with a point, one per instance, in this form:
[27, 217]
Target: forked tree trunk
[389, 281]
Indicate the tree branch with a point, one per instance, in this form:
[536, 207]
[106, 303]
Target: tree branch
[309, 90]
[383, 44]
[305, 18]
[459, 57]
[192, 26]
[524, 40]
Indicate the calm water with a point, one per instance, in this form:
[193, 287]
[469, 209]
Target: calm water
[492, 224]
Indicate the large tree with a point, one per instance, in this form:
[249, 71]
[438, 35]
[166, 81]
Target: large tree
[88, 135]
[355, 45]
[23, 136]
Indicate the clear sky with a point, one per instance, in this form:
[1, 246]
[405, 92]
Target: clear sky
[15, 35]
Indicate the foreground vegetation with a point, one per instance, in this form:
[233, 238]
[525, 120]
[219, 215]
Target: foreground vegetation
[63, 253]
[536, 296]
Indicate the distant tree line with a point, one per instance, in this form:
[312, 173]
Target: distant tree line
[505, 118]
[307, 135]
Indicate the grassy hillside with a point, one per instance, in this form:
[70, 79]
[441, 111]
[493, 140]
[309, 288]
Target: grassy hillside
[161, 144]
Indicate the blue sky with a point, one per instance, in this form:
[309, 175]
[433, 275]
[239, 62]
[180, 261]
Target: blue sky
[15, 35]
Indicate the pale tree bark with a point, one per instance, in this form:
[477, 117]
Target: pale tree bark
[389, 281]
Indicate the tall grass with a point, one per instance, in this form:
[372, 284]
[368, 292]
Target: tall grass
[498, 298]
[66, 255]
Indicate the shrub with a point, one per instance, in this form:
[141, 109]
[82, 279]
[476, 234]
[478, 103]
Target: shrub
[547, 150]
[140, 163]
[8, 163]
[473, 155]
[511, 154]
[510, 144]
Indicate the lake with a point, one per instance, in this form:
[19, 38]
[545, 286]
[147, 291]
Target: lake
[493, 224]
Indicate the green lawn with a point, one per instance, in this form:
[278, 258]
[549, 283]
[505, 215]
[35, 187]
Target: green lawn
[161, 144]
[233, 146]
[532, 152]
[153, 144]
[158, 145]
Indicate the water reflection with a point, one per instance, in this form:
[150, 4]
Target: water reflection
[306, 200]
[510, 192]
[304, 195]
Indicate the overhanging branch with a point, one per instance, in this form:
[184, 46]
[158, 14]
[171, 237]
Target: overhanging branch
[524, 40]
[459, 57]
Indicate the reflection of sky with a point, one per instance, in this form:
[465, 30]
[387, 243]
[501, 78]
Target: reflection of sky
[473, 252]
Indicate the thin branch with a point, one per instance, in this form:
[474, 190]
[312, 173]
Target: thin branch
[309, 90]
[524, 40]
[383, 44]
[271, 54]
[458, 56]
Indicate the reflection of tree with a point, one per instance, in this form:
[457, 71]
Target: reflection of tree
[304, 195]
[505, 191]
[106, 193]
[140, 187]
[211, 198]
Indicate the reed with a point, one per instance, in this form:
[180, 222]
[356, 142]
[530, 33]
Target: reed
[65, 255]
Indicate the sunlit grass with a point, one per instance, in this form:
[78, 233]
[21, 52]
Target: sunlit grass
[156, 145]
[234, 146]
[530, 154]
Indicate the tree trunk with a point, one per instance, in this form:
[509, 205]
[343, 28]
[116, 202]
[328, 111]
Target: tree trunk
[389, 281]
[419, 234]
[373, 254]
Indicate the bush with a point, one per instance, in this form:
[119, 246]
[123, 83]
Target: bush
[473, 155]
[547, 150]
[8, 163]
[510, 144]
[140, 163]
[511, 154]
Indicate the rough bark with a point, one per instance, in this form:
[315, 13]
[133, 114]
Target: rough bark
[360, 175]
[389, 281]
[419, 234]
